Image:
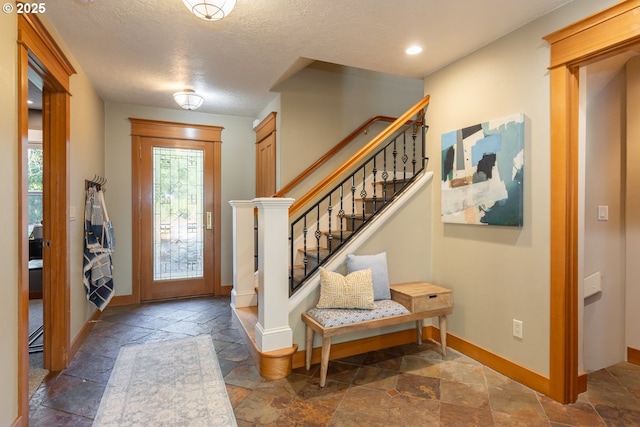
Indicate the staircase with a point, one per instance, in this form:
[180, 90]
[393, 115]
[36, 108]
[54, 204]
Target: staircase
[334, 218]
[318, 240]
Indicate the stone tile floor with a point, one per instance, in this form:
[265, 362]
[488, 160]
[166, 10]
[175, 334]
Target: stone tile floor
[408, 385]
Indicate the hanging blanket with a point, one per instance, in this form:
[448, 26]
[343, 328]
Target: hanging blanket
[99, 243]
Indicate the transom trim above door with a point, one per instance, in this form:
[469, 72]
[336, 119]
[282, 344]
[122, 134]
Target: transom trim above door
[176, 209]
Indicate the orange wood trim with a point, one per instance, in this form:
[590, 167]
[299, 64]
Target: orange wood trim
[48, 55]
[593, 21]
[633, 356]
[83, 334]
[18, 422]
[173, 130]
[329, 154]
[216, 179]
[506, 367]
[363, 345]
[273, 364]
[204, 134]
[358, 156]
[37, 49]
[136, 205]
[266, 127]
[595, 37]
[23, 245]
[277, 364]
[120, 300]
[582, 382]
[55, 277]
[608, 35]
[564, 238]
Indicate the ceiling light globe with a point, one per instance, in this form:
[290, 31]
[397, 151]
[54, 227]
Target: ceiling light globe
[210, 10]
[188, 99]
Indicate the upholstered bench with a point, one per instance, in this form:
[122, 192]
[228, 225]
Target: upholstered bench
[413, 301]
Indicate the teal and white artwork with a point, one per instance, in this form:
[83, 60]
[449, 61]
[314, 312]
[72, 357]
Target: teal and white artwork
[482, 173]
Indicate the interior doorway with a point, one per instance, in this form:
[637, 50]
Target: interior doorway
[604, 175]
[38, 53]
[599, 36]
[35, 190]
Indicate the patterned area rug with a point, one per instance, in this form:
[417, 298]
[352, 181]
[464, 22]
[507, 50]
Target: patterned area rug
[168, 383]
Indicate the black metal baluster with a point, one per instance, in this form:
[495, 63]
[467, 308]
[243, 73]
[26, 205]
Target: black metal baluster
[318, 234]
[395, 164]
[378, 200]
[404, 158]
[353, 203]
[385, 174]
[363, 194]
[255, 241]
[414, 135]
[305, 260]
[330, 235]
[374, 172]
[341, 214]
[292, 284]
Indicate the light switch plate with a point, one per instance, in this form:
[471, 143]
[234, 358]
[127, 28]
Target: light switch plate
[603, 213]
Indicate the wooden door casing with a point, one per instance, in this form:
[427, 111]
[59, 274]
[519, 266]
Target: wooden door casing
[141, 129]
[266, 157]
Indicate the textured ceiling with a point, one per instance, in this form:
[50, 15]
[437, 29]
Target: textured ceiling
[141, 51]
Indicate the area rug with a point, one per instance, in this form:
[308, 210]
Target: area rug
[36, 376]
[168, 383]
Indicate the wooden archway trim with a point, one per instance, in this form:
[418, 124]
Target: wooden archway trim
[596, 37]
[37, 49]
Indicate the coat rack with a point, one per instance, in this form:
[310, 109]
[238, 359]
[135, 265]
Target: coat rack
[98, 182]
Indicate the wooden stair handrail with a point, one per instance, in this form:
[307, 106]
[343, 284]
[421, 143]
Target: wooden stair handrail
[329, 154]
[358, 156]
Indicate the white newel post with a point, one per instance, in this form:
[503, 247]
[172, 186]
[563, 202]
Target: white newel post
[243, 293]
[272, 330]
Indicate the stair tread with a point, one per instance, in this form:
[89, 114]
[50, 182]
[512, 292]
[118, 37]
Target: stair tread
[314, 250]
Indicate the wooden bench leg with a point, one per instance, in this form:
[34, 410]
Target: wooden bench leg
[443, 333]
[309, 347]
[419, 330]
[324, 364]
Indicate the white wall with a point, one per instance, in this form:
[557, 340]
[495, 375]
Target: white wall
[86, 158]
[323, 103]
[406, 239]
[632, 320]
[9, 222]
[604, 240]
[238, 176]
[499, 273]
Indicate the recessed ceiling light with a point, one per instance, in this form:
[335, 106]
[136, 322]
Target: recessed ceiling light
[413, 50]
[29, 101]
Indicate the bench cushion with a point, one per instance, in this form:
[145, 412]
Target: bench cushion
[331, 317]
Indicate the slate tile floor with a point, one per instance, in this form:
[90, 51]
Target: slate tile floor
[409, 385]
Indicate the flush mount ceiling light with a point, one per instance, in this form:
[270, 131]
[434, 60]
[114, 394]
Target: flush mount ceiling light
[188, 99]
[210, 10]
[413, 50]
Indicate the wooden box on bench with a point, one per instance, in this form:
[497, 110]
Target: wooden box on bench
[419, 297]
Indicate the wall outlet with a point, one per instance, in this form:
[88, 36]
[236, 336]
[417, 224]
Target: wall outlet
[517, 328]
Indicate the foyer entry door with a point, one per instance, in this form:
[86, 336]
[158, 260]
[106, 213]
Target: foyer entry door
[177, 215]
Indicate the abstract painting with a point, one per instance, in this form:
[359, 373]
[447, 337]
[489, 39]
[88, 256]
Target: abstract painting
[482, 171]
